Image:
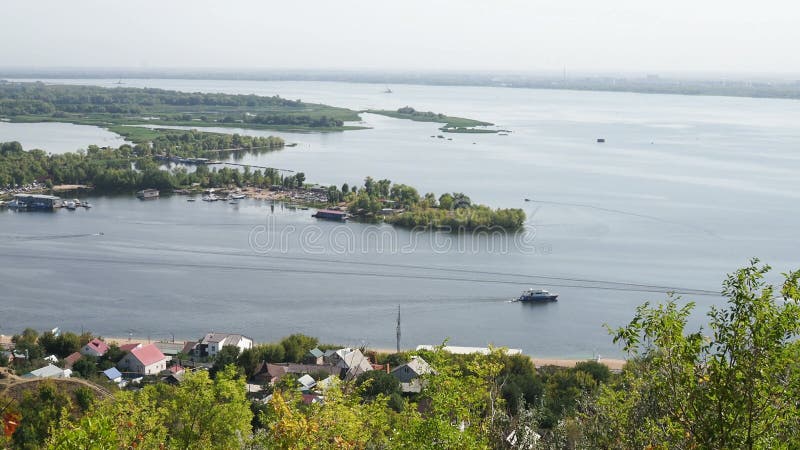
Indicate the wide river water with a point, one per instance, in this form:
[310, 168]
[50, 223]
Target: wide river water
[684, 190]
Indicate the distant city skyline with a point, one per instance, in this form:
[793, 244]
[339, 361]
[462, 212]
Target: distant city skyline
[622, 36]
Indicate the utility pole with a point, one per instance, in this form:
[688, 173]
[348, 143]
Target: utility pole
[398, 328]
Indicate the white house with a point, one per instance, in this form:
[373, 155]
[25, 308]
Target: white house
[212, 343]
[95, 347]
[145, 360]
[49, 371]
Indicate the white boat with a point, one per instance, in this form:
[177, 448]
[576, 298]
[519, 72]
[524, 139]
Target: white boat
[146, 194]
[210, 198]
[86, 205]
[69, 205]
[537, 295]
[76, 202]
[238, 196]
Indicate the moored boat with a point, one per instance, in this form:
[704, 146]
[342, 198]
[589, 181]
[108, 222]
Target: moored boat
[146, 194]
[330, 214]
[536, 296]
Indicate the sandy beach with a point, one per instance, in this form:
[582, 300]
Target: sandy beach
[613, 364]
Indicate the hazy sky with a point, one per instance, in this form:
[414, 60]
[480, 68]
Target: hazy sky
[589, 35]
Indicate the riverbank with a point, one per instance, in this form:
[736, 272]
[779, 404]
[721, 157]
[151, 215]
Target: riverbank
[451, 124]
[613, 364]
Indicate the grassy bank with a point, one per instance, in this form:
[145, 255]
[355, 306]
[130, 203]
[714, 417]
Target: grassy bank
[452, 124]
[91, 105]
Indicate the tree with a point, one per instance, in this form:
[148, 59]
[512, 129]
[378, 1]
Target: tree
[377, 382]
[297, 345]
[446, 201]
[735, 387]
[27, 343]
[62, 345]
[219, 416]
[86, 367]
[227, 356]
[41, 410]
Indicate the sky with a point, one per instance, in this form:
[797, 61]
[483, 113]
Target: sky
[731, 36]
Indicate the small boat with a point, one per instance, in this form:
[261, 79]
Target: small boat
[600, 140]
[210, 198]
[86, 205]
[191, 199]
[76, 201]
[388, 90]
[238, 196]
[70, 205]
[537, 296]
[527, 199]
[146, 194]
[233, 202]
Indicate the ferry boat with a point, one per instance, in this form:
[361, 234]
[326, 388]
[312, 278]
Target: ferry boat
[146, 194]
[537, 295]
[330, 214]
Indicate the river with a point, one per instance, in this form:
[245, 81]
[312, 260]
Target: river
[684, 190]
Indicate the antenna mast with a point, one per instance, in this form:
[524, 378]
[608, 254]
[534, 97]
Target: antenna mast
[398, 328]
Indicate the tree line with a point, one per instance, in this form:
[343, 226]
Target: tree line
[453, 211]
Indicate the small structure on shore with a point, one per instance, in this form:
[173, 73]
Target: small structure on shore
[330, 214]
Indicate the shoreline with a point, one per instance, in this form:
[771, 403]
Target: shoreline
[614, 364]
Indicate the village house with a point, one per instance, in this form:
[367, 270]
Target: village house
[314, 356]
[113, 375]
[212, 343]
[269, 373]
[351, 363]
[95, 347]
[130, 346]
[409, 374]
[49, 371]
[70, 360]
[145, 360]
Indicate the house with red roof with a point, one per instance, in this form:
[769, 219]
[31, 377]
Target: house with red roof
[130, 346]
[70, 360]
[95, 347]
[145, 360]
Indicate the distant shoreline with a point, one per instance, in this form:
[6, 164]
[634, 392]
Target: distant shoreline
[777, 86]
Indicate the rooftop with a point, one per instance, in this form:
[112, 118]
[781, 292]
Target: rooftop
[148, 354]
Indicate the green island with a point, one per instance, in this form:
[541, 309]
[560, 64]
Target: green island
[733, 385]
[451, 124]
[106, 107]
[402, 205]
[140, 166]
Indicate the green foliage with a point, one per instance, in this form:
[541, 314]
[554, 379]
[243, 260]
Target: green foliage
[27, 344]
[734, 387]
[296, 346]
[454, 212]
[101, 106]
[198, 414]
[450, 122]
[227, 356]
[85, 367]
[40, 409]
[62, 345]
[377, 382]
[109, 170]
